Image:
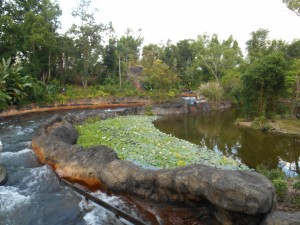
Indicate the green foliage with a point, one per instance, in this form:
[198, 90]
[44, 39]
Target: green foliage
[263, 82]
[12, 84]
[271, 174]
[76, 92]
[232, 85]
[213, 91]
[159, 77]
[161, 97]
[296, 185]
[292, 79]
[136, 139]
[148, 110]
[296, 201]
[293, 5]
[88, 40]
[281, 189]
[215, 57]
[261, 123]
[278, 179]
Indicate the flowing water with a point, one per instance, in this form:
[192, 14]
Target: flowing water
[217, 131]
[33, 194]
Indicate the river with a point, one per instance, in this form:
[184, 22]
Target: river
[33, 194]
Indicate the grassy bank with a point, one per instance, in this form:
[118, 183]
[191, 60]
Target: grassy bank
[284, 126]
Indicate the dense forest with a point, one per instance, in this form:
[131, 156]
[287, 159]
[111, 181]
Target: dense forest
[37, 62]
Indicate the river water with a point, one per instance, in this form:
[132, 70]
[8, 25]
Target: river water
[33, 194]
[217, 131]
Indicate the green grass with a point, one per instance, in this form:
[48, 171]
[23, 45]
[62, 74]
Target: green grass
[136, 139]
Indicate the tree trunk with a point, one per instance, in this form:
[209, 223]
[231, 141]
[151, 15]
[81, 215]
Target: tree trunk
[261, 101]
[120, 75]
[49, 65]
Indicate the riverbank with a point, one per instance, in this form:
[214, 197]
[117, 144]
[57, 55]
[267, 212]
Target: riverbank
[89, 103]
[288, 127]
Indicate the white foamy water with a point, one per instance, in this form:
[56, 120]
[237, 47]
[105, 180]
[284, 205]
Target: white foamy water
[98, 215]
[10, 199]
[24, 159]
[22, 153]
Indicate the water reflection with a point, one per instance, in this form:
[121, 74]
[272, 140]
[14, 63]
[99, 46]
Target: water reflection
[217, 131]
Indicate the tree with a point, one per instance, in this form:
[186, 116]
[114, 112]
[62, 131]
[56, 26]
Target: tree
[258, 44]
[159, 77]
[110, 62]
[293, 5]
[28, 33]
[129, 46]
[151, 53]
[293, 50]
[214, 57]
[263, 82]
[87, 38]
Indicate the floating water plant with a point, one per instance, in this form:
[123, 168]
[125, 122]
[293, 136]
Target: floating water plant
[136, 139]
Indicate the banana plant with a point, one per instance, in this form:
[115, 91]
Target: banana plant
[12, 83]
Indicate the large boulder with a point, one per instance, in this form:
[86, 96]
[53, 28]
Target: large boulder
[243, 196]
[282, 218]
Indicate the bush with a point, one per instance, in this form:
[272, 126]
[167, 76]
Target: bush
[281, 189]
[278, 178]
[261, 123]
[273, 174]
[296, 185]
[296, 201]
[213, 91]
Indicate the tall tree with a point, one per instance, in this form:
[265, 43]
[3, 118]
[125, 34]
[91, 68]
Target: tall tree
[129, 46]
[88, 40]
[159, 77]
[28, 32]
[215, 57]
[151, 53]
[263, 82]
[258, 44]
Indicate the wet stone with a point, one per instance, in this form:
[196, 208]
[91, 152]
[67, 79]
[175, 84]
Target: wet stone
[3, 176]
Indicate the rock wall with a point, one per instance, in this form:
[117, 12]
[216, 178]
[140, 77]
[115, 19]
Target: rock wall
[233, 197]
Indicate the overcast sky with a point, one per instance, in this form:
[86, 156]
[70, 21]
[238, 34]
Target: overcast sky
[176, 20]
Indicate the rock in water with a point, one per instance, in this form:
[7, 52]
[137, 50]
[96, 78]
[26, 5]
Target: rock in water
[3, 176]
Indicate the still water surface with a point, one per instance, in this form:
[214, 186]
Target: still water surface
[217, 131]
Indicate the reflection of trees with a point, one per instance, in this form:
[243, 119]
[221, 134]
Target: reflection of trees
[292, 153]
[217, 130]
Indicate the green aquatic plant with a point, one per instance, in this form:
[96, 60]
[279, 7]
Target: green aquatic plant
[136, 139]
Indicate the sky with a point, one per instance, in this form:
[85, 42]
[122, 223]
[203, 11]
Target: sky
[176, 20]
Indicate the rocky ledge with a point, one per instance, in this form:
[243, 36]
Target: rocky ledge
[232, 197]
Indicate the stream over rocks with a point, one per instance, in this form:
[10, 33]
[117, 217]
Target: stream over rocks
[230, 197]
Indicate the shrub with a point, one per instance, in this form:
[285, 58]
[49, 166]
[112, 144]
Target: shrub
[261, 123]
[281, 189]
[296, 201]
[278, 179]
[276, 174]
[273, 174]
[213, 91]
[296, 185]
